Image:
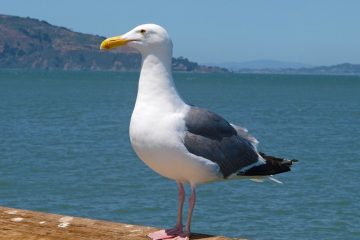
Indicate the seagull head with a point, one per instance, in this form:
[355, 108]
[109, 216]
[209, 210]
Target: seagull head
[145, 38]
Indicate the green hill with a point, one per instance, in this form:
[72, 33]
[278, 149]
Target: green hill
[33, 44]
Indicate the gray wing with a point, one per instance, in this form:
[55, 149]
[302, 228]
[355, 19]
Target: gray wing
[245, 134]
[210, 136]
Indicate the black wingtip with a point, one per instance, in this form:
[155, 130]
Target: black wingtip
[273, 165]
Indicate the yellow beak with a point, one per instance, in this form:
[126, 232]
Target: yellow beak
[113, 42]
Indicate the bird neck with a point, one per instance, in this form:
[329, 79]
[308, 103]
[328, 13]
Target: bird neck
[156, 84]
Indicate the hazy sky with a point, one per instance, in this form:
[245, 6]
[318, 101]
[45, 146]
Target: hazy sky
[320, 32]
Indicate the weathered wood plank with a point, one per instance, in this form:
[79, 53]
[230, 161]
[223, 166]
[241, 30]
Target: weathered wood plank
[16, 224]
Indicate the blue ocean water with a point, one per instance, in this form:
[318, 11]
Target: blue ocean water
[64, 148]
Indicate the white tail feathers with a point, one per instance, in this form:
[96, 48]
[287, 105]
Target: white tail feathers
[261, 179]
[258, 180]
[271, 178]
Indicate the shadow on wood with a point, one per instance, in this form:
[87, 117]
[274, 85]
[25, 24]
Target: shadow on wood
[16, 224]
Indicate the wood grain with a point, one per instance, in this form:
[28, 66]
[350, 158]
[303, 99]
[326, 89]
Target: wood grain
[16, 224]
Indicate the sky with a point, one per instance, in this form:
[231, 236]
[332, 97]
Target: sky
[316, 32]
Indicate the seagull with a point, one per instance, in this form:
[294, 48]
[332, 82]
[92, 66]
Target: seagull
[185, 143]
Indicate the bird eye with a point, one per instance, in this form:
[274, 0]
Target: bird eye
[142, 31]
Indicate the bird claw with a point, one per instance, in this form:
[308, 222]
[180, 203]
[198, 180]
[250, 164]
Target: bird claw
[167, 234]
[181, 237]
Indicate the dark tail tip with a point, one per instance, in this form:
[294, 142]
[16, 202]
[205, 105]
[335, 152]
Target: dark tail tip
[272, 166]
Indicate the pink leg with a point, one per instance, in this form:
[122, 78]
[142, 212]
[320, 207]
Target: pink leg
[192, 201]
[186, 234]
[177, 230]
[181, 205]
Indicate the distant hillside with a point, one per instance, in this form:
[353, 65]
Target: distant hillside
[339, 69]
[262, 64]
[33, 44]
[344, 68]
[281, 67]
